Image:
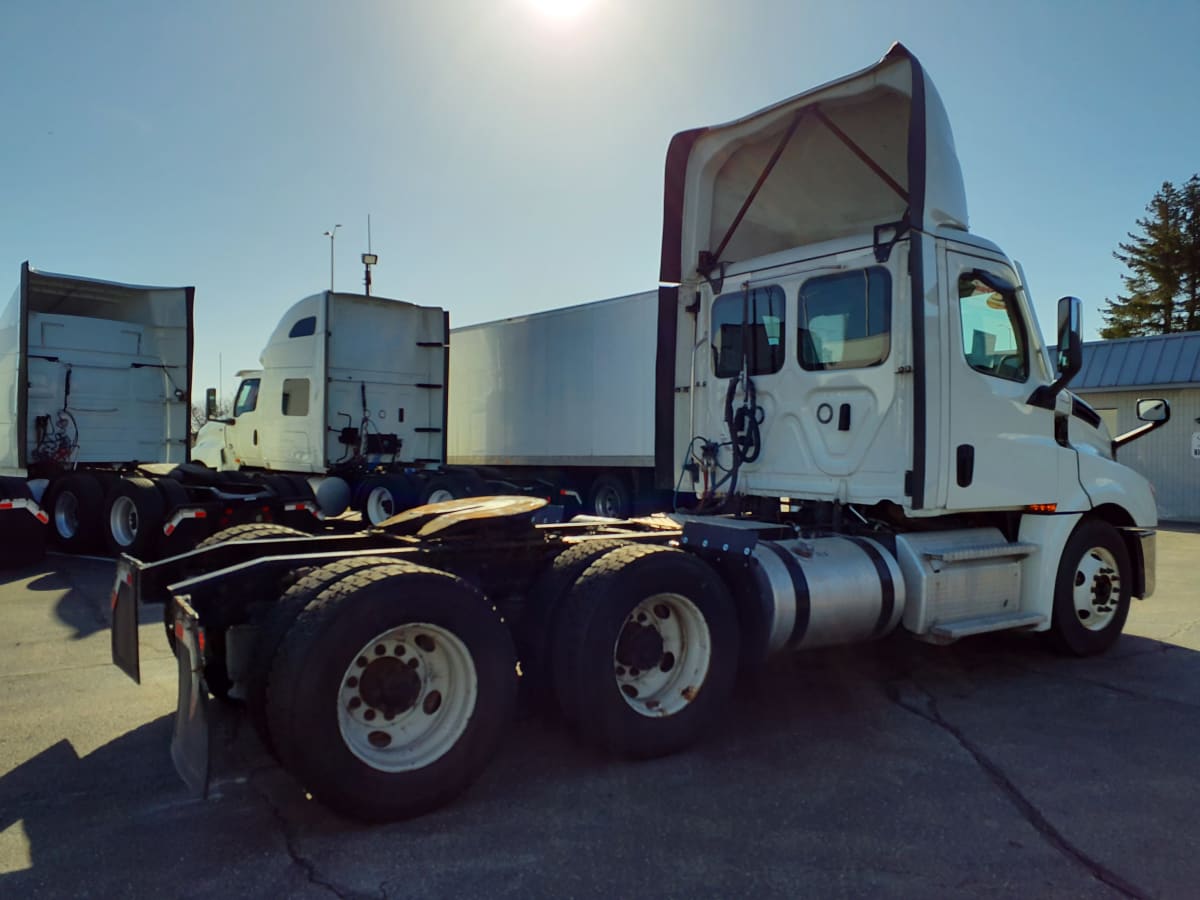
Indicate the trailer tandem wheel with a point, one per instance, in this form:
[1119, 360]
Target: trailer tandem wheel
[1092, 590]
[650, 640]
[610, 496]
[384, 496]
[391, 691]
[441, 488]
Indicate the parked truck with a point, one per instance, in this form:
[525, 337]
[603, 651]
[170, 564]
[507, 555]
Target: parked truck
[351, 397]
[383, 408]
[856, 390]
[94, 424]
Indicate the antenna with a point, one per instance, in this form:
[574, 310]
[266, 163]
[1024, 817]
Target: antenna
[369, 259]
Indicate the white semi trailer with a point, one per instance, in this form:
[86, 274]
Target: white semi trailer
[94, 424]
[383, 409]
[855, 387]
[559, 397]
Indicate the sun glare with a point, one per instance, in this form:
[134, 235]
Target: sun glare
[560, 9]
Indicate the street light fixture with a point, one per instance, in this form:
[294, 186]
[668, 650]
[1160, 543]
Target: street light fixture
[331, 234]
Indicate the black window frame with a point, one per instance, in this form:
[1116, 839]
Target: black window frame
[252, 386]
[747, 302]
[1012, 310]
[804, 335]
[305, 327]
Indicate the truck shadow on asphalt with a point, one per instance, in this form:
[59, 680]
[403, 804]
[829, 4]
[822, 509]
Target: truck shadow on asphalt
[848, 709]
[81, 580]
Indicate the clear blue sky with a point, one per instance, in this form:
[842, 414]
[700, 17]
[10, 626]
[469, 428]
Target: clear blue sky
[512, 161]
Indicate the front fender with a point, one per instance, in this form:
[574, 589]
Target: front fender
[1110, 482]
[210, 441]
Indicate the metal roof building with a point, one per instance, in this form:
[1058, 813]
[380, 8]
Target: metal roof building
[1116, 374]
[1162, 360]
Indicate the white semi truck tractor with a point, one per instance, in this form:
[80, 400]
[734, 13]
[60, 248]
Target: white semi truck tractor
[94, 425]
[855, 388]
[396, 410]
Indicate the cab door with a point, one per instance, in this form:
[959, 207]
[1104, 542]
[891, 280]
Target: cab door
[243, 440]
[1003, 453]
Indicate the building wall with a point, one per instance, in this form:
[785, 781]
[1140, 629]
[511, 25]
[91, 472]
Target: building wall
[1170, 456]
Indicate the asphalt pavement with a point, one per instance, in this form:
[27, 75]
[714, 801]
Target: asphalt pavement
[991, 768]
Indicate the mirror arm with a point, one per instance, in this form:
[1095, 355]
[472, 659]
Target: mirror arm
[1044, 395]
[1131, 436]
[1141, 431]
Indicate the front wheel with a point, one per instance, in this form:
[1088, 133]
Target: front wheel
[1092, 590]
[390, 693]
[651, 635]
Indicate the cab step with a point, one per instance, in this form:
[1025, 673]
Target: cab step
[980, 551]
[952, 631]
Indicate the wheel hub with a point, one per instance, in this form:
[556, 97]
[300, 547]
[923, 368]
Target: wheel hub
[1097, 589]
[639, 647]
[390, 686]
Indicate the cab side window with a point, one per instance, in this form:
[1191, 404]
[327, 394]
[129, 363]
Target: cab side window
[304, 327]
[845, 320]
[993, 334]
[295, 397]
[748, 323]
[247, 397]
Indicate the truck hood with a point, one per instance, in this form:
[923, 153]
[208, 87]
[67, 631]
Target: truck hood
[865, 150]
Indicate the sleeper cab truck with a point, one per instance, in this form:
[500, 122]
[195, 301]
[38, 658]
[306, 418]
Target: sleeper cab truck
[94, 425]
[364, 398]
[856, 390]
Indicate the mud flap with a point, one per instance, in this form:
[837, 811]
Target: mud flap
[125, 621]
[190, 743]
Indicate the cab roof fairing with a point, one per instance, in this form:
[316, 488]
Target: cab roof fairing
[820, 186]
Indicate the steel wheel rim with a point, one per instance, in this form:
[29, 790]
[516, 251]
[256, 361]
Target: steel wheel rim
[662, 655]
[380, 505]
[441, 495]
[66, 515]
[608, 503]
[397, 716]
[123, 521]
[1096, 590]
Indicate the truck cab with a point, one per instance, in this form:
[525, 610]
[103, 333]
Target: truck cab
[834, 332]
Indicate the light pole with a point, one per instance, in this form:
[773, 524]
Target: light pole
[331, 234]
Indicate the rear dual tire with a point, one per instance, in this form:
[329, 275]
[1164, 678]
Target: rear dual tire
[391, 691]
[647, 651]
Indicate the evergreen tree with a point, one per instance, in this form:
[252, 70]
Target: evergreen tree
[1162, 289]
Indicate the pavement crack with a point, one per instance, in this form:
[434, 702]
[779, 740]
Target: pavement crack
[291, 844]
[929, 712]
